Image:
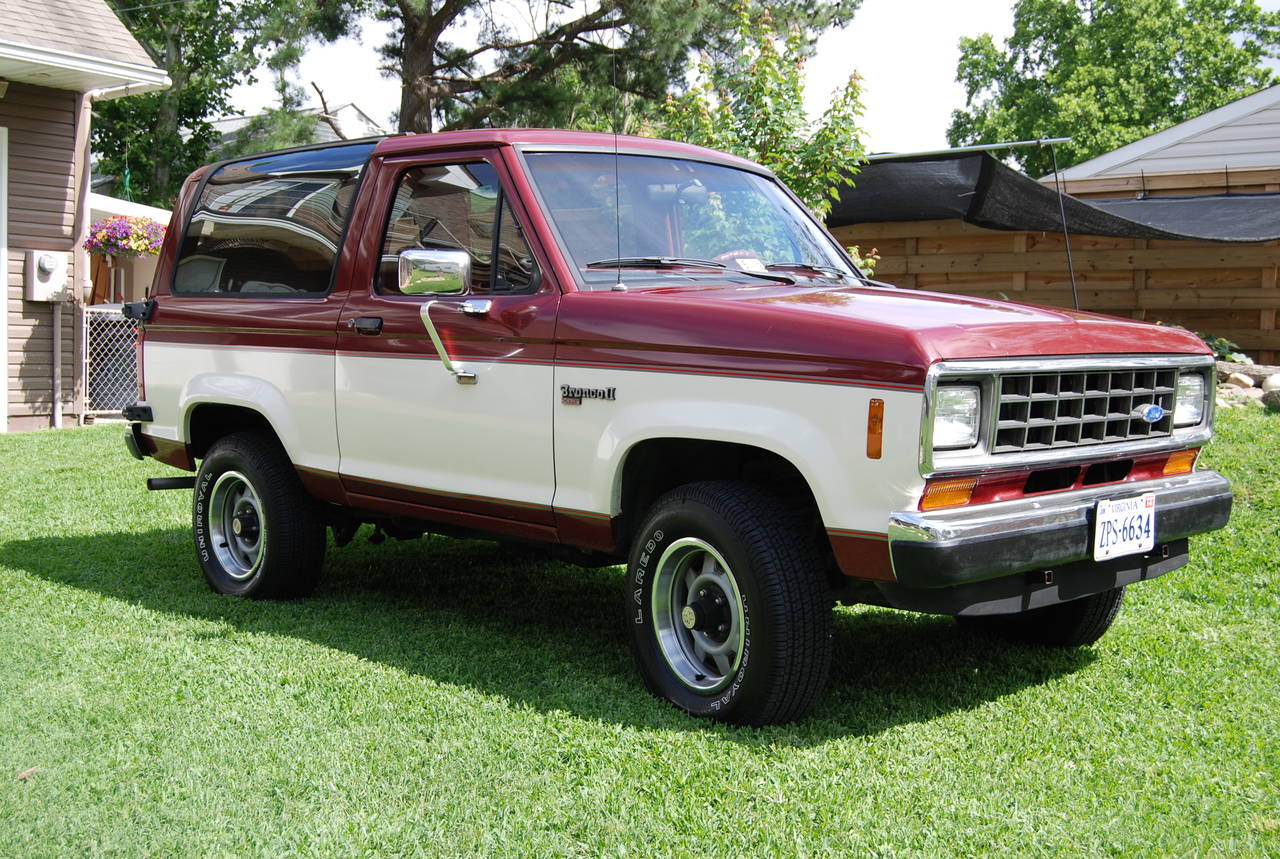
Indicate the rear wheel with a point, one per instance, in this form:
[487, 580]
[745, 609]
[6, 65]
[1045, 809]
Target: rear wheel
[258, 534]
[728, 607]
[1077, 623]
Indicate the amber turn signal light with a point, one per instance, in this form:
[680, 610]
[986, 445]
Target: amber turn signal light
[948, 493]
[1181, 462]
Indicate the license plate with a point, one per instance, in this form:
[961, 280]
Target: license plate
[1124, 526]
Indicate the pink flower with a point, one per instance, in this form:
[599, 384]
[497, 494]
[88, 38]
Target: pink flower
[121, 235]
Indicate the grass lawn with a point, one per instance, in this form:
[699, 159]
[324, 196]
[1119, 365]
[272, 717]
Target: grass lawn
[440, 697]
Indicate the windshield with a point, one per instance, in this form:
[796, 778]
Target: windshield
[667, 220]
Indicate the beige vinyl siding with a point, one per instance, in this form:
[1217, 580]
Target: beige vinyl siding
[1245, 143]
[42, 203]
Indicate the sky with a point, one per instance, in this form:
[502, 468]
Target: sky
[908, 70]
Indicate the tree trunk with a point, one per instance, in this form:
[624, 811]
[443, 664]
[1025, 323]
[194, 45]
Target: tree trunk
[167, 118]
[417, 73]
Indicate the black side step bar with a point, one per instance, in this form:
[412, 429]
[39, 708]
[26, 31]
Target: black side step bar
[154, 483]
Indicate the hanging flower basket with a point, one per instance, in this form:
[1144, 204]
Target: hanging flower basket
[123, 236]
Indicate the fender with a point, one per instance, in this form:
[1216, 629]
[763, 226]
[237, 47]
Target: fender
[258, 395]
[820, 430]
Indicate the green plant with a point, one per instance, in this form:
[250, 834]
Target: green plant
[751, 102]
[1224, 349]
[866, 263]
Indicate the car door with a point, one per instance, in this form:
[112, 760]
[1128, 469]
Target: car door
[449, 420]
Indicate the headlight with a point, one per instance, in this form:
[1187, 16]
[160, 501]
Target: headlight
[955, 416]
[1189, 410]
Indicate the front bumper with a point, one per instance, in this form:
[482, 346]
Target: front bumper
[963, 545]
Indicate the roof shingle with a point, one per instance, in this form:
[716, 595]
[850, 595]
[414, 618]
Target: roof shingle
[86, 27]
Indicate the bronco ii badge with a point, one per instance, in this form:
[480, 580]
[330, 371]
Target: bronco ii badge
[571, 396]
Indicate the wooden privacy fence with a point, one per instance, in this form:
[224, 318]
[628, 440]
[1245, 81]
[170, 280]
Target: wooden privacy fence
[1227, 290]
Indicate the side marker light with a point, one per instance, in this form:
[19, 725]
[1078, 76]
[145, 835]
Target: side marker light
[875, 429]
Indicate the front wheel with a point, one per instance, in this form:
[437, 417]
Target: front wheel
[728, 607]
[1077, 623]
[257, 532]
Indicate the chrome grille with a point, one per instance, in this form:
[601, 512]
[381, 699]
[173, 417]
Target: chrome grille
[1043, 411]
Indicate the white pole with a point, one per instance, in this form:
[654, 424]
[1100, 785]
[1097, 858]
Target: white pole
[4, 281]
[56, 308]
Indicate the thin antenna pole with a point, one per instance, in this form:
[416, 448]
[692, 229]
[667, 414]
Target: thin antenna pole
[617, 182]
[1066, 237]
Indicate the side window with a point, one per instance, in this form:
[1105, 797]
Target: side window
[270, 226]
[458, 207]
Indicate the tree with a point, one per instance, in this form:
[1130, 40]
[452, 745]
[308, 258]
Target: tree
[280, 127]
[563, 64]
[151, 142]
[139, 138]
[1108, 72]
[750, 102]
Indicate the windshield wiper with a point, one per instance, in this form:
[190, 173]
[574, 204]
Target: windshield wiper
[829, 270]
[684, 262]
[655, 262]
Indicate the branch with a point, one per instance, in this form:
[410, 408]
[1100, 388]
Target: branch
[325, 115]
[449, 10]
[564, 34]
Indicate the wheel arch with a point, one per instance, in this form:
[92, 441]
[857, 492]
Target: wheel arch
[653, 466]
[206, 421]
[214, 404]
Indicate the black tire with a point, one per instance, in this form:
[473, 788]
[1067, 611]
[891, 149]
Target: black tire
[761, 655]
[1077, 623]
[257, 532]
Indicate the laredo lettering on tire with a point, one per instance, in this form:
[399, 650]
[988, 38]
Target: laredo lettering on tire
[728, 608]
[257, 532]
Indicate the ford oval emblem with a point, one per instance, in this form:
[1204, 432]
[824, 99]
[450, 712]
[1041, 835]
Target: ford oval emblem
[1151, 412]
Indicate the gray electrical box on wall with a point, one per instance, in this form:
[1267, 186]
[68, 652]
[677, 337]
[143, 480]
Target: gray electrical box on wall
[47, 276]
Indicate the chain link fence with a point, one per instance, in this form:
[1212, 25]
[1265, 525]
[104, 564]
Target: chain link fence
[111, 368]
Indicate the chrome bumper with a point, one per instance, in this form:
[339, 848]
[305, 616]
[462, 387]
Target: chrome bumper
[957, 546]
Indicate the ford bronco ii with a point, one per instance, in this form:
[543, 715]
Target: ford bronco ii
[633, 350]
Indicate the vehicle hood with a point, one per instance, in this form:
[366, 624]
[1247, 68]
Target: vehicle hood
[877, 333]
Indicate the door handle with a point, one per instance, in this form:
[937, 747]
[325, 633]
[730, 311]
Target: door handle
[366, 324]
[477, 306]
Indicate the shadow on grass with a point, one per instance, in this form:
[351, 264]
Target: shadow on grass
[542, 634]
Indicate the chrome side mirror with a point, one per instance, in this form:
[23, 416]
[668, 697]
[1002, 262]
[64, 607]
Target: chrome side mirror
[434, 271]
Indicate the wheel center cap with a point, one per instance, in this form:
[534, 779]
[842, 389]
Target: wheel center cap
[689, 617]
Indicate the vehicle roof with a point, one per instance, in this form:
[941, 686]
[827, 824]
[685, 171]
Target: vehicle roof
[540, 138]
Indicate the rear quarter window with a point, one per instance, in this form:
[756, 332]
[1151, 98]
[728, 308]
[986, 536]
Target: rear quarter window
[270, 226]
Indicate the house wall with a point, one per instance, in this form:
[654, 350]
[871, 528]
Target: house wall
[44, 171]
[1227, 290]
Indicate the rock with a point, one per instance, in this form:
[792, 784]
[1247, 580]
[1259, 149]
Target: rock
[1271, 399]
[1235, 397]
[1271, 383]
[1256, 372]
[1239, 380]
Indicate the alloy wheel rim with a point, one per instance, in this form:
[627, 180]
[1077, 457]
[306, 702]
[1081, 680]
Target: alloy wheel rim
[236, 526]
[698, 615]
